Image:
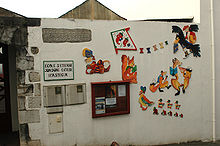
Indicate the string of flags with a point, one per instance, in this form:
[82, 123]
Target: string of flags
[154, 47]
[122, 40]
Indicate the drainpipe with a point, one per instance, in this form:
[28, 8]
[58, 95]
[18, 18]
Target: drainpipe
[213, 70]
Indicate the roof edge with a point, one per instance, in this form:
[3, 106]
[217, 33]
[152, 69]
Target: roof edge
[189, 20]
[19, 15]
[97, 2]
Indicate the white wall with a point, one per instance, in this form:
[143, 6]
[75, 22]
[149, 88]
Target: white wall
[139, 127]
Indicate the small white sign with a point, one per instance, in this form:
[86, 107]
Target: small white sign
[110, 101]
[58, 70]
[121, 90]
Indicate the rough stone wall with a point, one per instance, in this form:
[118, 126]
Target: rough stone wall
[13, 32]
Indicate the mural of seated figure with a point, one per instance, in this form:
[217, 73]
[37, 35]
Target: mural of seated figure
[93, 66]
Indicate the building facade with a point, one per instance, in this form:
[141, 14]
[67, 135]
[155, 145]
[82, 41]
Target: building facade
[89, 82]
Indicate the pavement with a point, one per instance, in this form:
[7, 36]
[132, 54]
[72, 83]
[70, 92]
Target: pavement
[197, 143]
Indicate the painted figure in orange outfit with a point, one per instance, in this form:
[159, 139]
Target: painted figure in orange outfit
[161, 83]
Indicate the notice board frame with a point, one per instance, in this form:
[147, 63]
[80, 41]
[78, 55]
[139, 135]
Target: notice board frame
[99, 95]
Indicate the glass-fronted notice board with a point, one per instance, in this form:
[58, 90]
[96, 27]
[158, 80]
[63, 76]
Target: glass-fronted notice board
[110, 98]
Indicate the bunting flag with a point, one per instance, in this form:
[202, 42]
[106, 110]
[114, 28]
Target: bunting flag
[161, 45]
[122, 40]
[148, 50]
[141, 50]
[154, 47]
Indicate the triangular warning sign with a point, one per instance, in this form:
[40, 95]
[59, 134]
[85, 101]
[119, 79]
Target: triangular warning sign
[122, 40]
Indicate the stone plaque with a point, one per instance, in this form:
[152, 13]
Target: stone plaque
[56, 35]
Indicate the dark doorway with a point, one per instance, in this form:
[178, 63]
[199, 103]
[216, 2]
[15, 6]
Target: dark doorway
[7, 136]
[5, 112]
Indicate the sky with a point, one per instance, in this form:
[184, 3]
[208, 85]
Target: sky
[129, 9]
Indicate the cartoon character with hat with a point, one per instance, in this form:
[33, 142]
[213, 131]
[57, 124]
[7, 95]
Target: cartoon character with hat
[155, 111]
[160, 103]
[177, 106]
[169, 105]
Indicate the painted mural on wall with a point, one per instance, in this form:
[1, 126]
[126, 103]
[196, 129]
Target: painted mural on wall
[160, 83]
[187, 40]
[122, 40]
[181, 78]
[185, 73]
[129, 69]
[92, 66]
[143, 100]
[168, 110]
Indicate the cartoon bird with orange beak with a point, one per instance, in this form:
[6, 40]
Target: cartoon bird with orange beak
[143, 100]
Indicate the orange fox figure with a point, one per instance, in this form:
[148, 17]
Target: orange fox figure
[129, 69]
[186, 72]
[187, 75]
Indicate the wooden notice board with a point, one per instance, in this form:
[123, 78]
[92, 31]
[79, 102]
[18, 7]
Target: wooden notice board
[110, 98]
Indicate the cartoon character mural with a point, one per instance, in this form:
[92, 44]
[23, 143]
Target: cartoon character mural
[93, 67]
[169, 105]
[186, 74]
[143, 100]
[160, 103]
[170, 113]
[129, 69]
[155, 111]
[164, 113]
[161, 83]
[187, 41]
[177, 105]
[167, 111]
